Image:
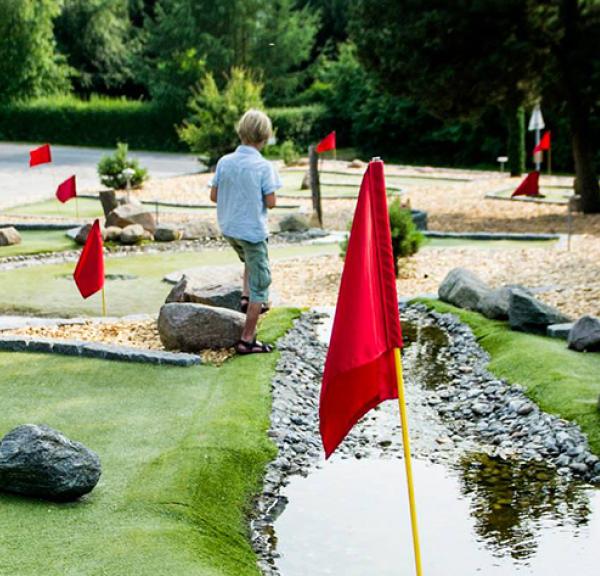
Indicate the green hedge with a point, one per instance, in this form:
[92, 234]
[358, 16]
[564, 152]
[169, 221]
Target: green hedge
[98, 122]
[144, 126]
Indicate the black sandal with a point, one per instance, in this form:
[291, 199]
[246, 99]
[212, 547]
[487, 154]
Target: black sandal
[255, 347]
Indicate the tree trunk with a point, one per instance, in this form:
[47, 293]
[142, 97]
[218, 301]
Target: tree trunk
[586, 178]
[516, 140]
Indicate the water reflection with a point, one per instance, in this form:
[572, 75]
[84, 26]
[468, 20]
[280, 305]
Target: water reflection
[422, 347]
[509, 500]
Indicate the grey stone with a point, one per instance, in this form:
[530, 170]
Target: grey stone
[419, 217]
[305, 184]
[585, 335]
[294, 223]
[83, 233]
[9, 236]
[113, 234]
[128, 214]
[559, 330]
[219, 294]
[462, 288]
[192, 327]
[132, 234]
[527, 314]
[199, 230]
[166, 233]
[108, 199]
[39, 461]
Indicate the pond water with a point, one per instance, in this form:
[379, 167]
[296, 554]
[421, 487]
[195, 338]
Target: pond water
[477, 515]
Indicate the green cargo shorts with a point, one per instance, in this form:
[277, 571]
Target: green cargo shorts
[256, 257]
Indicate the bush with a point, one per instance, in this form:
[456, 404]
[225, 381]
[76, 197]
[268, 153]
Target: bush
[98, 122]
[406, 239]
[303, 125]
[110, 169]
[289, 153]
[210, 130]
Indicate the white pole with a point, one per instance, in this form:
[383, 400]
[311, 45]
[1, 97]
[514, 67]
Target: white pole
[538, 156]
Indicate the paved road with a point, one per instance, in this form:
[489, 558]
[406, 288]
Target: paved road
[20, 184]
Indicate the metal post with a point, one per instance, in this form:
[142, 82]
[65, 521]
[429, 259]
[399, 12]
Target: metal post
[315, 185]
[538, 159]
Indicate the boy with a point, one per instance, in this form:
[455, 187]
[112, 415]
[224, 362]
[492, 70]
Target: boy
[244, 188]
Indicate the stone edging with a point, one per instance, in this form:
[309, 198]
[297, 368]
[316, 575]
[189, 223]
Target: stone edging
[492, 235]
[97, 350]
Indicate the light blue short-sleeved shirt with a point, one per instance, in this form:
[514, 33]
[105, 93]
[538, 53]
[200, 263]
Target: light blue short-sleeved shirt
[243, 178]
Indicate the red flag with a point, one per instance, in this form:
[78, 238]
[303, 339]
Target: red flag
[67, 190]
[40, 155]
[328, 143]
[89, 273]
[544, 143]
[529, 187]
[359, 370]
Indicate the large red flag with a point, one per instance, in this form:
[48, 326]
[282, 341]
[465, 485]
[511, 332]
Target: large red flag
[328, 143]
[40, 155]
[529, 187]
[544, 143]
[89, 273]
[359, 370]
[67, 190]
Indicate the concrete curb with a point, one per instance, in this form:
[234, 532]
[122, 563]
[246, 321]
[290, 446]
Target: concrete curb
[98, 351]
[491, 235]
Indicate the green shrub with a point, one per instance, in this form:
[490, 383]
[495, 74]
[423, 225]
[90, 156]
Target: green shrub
[406, 239]
[289, 153]
[110, 169]
[210, 129]
[98, 122]
[303, 125]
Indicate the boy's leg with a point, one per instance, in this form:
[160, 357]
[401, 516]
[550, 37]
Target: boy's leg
[246, 286]
[259, 279]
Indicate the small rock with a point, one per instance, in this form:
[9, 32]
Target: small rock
[200, 230]
[39, 461]
[129, 214]
[165, 233]
[305, 184]
[585, 335]
[132, 234]
[113, 234]
[356, 163]
[9, 236]
[108, 199]
[294, 223]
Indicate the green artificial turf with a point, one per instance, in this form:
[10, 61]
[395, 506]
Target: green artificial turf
[137, 287]
[435, 242]
[38, 242]
[182, 451]
[559, 380]
[87, 208]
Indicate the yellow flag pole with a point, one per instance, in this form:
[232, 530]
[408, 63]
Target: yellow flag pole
[103, 302]
[407, 461]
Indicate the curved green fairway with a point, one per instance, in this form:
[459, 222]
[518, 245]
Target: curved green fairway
[50, 290]
[38, 242]
[182, 451]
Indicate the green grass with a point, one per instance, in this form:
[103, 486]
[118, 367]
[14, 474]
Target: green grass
[182, 450]
[486, 244]
[559, 380]
[39, 241]
[50, 290]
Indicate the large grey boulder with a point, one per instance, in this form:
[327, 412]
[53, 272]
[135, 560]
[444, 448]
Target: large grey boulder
[82, 234]
[585, 335]
[495, 303]
[131, 213]
[9, 236]
[527, 314]
[193, 327]
[39, 461]
[132, 234]
[219, 294]
[464, 289]
[167, 233]
[200, 230]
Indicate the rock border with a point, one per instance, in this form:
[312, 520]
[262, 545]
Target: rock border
[97, 350]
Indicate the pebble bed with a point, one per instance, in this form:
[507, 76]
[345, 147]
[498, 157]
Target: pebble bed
[468, 410]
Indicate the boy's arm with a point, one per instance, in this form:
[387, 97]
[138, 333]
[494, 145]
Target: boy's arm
[270, 200]
[213, 194]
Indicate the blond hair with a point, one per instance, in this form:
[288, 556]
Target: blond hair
[254, 127]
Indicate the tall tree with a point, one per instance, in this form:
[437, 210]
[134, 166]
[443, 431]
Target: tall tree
[458, 57]
[29, 63]
[97, 38]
